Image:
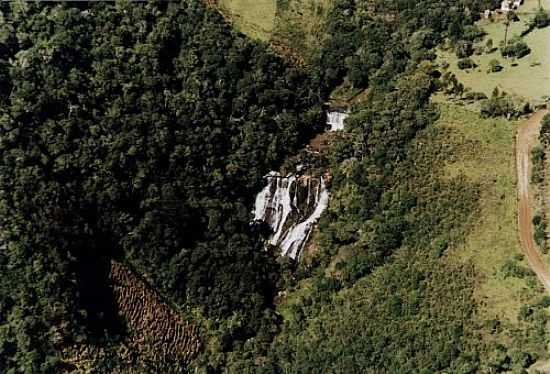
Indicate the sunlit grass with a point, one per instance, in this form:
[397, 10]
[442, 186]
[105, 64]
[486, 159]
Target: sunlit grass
[529, 79]
[255, 18]
[300, 25]
[492, 239]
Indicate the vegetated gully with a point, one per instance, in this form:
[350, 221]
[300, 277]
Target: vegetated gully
[291, 205]
[526, 138]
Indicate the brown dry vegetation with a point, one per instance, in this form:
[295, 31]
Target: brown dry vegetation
[322, 142]
[156, 335]
[289, 53]
[150, 320]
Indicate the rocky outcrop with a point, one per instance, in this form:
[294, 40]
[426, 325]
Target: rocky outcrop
[290, 205]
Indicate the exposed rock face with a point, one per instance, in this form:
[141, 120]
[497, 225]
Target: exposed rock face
[291, 206]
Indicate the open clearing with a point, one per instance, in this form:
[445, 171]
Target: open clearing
[493, 238]
[529, 79]
[530, 6]
[300, 25]
[255, 18]
[296, 25]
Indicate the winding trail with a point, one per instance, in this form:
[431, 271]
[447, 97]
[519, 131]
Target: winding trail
[526, 138]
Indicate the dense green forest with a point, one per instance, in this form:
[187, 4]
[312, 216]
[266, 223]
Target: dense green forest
[373, 41]
[141, 132]
[136, 132]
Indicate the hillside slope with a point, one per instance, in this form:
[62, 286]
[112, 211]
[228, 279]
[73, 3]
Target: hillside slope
[464, 300]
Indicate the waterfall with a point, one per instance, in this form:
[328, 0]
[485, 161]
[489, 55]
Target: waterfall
[297, 236]
[291, 209]
[291, 205]
[335, 120]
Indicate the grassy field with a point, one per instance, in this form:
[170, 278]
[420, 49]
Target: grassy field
[255, 18]
[493, 238]
[295, 24]
[531, 5]
[529, 79]
[300, 25]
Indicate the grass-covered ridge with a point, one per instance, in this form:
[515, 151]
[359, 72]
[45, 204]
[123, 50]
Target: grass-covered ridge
[295, 28]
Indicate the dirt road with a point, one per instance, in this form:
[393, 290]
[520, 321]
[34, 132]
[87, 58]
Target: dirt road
[526, 138]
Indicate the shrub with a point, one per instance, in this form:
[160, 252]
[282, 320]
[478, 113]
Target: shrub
[495, 66]
[466, 63]
[537, 157]
[504, 105]
[489, 47]
[513, 269]
[545, 130]
[449, 84]
[540, 229]
[475, 96]
[328, 284]
[544, 302]
[516, 48]
[541, 19]
[464, 49]
[473, 33]
[525, 312]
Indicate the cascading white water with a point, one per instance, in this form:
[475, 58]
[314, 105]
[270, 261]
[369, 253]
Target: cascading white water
[335, 120]
[290, 214]
[297, 236]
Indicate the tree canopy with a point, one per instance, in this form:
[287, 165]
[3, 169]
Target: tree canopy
[138, 132]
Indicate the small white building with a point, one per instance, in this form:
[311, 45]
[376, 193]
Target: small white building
[508, 5]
